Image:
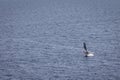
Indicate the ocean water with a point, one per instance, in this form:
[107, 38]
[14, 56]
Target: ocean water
[43, 39]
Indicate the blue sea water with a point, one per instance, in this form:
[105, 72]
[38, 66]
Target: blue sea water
[43, 39]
